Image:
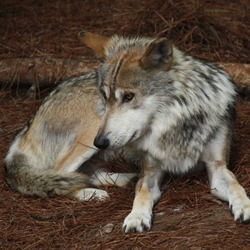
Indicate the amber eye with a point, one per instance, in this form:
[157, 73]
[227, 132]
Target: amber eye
[127, 97]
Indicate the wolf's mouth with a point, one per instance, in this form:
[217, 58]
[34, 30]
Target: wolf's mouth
[132, 137]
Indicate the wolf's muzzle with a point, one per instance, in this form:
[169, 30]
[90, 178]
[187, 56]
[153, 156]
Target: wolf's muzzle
[101, 142]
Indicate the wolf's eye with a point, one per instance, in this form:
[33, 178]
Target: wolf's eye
[127, 97]
[103, 94]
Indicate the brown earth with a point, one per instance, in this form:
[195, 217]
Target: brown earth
[187, 216]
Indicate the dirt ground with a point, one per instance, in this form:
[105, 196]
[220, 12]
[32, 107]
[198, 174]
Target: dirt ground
[187, 216]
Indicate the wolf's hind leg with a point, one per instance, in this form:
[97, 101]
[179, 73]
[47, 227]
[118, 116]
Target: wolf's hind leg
[71, 161]
[88, 194]
[223, 182]
[104, 178]
[101, 177]
[80, 154]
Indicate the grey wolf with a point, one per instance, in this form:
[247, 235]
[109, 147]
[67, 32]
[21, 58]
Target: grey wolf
[173, 110]
[46, 154]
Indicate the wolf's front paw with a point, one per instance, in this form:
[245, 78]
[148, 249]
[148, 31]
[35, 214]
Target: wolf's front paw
[137, 222]
[88, 194]
[241, 210]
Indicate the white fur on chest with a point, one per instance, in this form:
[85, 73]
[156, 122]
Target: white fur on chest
[167, 157]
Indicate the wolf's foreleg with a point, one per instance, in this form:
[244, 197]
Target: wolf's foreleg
[223, 182]
[225, 186]
[146, 195]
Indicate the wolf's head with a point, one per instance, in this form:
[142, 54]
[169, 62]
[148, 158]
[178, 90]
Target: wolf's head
[125, 77]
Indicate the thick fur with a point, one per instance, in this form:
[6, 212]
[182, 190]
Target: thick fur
[44, 157]
[174, 110]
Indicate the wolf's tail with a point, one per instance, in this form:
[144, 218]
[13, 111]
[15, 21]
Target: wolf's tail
[26, 179]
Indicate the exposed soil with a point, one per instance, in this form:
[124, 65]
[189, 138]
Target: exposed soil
[187, 216]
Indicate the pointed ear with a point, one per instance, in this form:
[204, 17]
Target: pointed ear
[158, 55]
[93, 41]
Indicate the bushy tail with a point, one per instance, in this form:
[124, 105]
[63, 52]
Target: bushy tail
[26, 179]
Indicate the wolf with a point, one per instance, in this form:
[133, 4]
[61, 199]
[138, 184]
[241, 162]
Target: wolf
[174, 110]
[45, 156]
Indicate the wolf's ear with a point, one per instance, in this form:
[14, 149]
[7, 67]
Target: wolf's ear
[159, 54]
[93, 41]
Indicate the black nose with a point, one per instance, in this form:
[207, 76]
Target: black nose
[101, 142]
